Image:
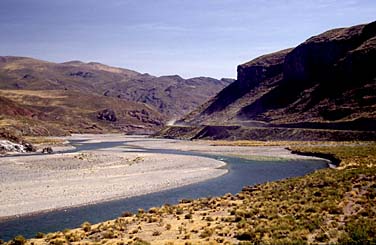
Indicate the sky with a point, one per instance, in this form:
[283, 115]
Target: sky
[162, 37]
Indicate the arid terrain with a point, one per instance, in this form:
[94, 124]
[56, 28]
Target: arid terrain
[172, 95]
[326, 83]
[32, 183]
[329, 205]
[313, 100]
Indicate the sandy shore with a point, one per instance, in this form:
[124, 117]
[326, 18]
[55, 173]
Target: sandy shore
[33, 183]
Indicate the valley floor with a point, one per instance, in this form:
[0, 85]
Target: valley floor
[33, 183]
[326, 206]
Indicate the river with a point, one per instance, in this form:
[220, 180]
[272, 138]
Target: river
[241, 172]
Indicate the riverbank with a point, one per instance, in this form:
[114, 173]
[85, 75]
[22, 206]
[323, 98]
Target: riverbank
[327, 206]
[34, 183]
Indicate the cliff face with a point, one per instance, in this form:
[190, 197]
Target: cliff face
[328, 78]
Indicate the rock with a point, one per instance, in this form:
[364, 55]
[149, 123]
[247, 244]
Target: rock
[107, 114]
[330, 78]
[82, 74]
[29, 147]
[8, 146]
[47, 150]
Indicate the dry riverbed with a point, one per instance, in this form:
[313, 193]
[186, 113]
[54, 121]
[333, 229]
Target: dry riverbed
[33, 183]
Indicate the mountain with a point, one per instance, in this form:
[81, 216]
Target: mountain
[327, 82]
[172, 96]
[60, 112]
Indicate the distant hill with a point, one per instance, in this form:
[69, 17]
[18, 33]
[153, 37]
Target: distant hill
[60, 112]
[327, 82]
[172, 96]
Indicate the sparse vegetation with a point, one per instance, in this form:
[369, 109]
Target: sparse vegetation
[327, 206]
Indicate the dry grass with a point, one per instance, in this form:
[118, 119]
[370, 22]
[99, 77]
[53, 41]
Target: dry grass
[352, 155]
[60, 112]
[41, 140]
[284, 143]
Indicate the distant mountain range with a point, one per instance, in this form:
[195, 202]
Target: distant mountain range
[173, 96]
[45, 98]
[325, 88]
[327, 82]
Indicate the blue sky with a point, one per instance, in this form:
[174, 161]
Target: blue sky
[160, 37]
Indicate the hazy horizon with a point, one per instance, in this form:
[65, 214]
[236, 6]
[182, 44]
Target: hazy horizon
[188, 38]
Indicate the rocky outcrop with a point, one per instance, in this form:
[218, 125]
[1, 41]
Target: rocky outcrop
[330, 78]
[10, 142]
[265, 133]
[107, 114]
[8, 146]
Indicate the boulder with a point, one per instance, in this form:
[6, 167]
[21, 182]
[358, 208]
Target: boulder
[47, 150]
[108, 115]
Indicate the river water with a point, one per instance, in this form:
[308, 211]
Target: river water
[241, 172]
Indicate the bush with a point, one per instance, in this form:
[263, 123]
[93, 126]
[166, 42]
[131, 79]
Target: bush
[127, 214]
[168, 227]
[19, 240]
[245, 236]
[359, 232]
[39, 235]
[206, 233]
[139, 241]
[86, 226]
[188, 216]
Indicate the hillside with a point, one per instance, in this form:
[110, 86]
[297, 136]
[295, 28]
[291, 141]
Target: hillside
[60, 112]
[327, 82]
[172, 96]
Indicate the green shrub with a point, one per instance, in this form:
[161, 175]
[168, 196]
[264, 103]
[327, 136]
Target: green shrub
[359, 232]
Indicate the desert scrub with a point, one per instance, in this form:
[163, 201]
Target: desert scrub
[326, 206]
[86, 226]
[18, 240]
[352, 155]
[39, 235]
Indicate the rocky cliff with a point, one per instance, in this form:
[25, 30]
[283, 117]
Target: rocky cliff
[328, 79]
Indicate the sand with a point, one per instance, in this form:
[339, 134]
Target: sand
[34, 183]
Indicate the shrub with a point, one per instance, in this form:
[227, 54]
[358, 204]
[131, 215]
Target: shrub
[108, 234]
[139, 241]
[245, 236]
[188, 216]
[168, 227]
[39, 235]
[127, 214]
[153, 210]
[58, 241]
[359, 232]
[19, 240]
[206, 233]
[86, 226]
